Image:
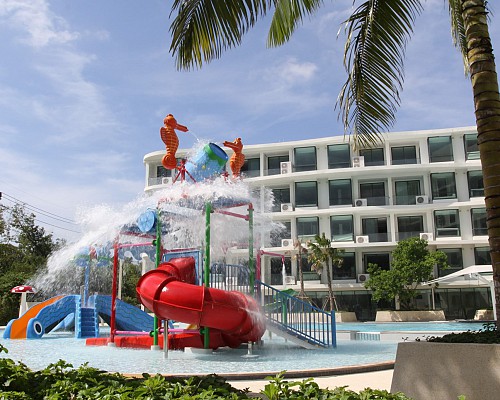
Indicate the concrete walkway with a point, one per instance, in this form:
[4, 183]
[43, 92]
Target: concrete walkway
[357, 382]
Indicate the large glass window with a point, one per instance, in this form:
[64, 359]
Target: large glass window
[471, 147]
[404, 155]
[347, 269]
[281, 195]
[277, 269]
[375, 229]
[306, 194]
[373, 192]
[339, 156]
[440, 149]
[476, 185]
[284, 233]
[410, 226]
[251, 167]
[455, 261]
[307, 227]
[380, 259]
[406, 191]
[304, 158]
[478, 216]
[162, 172]
[274, 164]
[342, 228]
[340, 191]
[443, 186]
[373, 156]
[447, 223]
[482, 256]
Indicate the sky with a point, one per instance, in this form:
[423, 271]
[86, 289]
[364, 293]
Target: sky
[85, 85]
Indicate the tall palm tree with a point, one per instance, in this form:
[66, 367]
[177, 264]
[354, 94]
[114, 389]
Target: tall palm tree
[321, 255]
[376, 36]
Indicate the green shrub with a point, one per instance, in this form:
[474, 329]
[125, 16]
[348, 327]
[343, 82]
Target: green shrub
[488, 335]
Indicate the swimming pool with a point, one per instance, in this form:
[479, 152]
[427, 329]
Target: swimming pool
[275, 355]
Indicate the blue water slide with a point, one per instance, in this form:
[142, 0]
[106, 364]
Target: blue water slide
[128, 317]
[50, 316]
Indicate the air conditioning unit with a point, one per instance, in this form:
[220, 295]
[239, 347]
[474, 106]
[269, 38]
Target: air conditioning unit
[358, 161]
[422, 199]
[362, 239]
[427, 236]
[286, 167]
[286, 207]
[290, 280]
[360, 202]
[286, 243]
[362, 278]
[166, 181]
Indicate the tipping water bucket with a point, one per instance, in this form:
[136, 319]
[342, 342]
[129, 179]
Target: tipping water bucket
[209, 161]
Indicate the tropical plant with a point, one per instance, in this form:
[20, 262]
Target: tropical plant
[412, 263]
[301, 250]
[322, 254]
[377, 33]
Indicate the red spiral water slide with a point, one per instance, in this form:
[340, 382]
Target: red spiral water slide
[169, 291]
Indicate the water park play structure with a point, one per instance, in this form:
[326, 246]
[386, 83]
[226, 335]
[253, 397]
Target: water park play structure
[218, 304]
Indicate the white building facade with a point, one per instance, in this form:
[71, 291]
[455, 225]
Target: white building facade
[425, 184]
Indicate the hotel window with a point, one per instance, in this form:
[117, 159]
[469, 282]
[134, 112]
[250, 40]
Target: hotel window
[342, 228]
[373, 156]
[307, 227]
[277, 269]
[476, 184]
[455, 261]
[471, 147]
[406, 192]
[304, 159]
[162, 172]
[280, 196]
[373, 192]
[339, 156]
[380, 259]
[340, 191]
[410, 226]
[440, 149]
[347, 269]
[306, 194]
[375, 229]
[447, 223]
[443, 186]
[404, 155]
[478, 217]
[285, 233]
[482, 256]
[251, 167]
[274, 164]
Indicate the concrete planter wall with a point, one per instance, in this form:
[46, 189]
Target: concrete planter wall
[443, 371]
[409, 316]
[345, 316]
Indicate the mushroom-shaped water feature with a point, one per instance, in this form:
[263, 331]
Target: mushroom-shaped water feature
[24, 290]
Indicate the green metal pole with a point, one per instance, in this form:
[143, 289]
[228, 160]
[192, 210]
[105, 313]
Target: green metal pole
[206, 269]
[157, 243]
[251, 260]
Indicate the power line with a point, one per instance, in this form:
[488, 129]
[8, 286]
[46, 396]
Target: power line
[39, 210]
[55, 226]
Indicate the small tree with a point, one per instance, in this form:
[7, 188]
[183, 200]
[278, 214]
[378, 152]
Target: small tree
[412, 263]
[323, 254]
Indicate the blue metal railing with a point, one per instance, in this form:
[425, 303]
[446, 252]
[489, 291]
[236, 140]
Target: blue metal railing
[297, 317]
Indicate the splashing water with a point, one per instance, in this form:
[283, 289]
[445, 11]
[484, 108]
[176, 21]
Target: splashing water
[181, 206]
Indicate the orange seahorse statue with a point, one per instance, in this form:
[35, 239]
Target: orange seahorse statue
[169, 137]
[237, 159]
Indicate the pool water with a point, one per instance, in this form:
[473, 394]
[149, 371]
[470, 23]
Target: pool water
[275, 355]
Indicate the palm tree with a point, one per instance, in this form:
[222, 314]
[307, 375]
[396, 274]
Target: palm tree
[376, 36]
[321, 255]
[297, 244]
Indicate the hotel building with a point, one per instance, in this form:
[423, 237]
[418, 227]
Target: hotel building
[425, 184]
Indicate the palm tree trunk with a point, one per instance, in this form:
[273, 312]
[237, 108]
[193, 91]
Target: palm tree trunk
[487, 110]
[331, 296]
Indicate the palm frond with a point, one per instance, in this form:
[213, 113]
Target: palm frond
[204, 29]
[286, 17]
[377, 33]
[458, 31]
